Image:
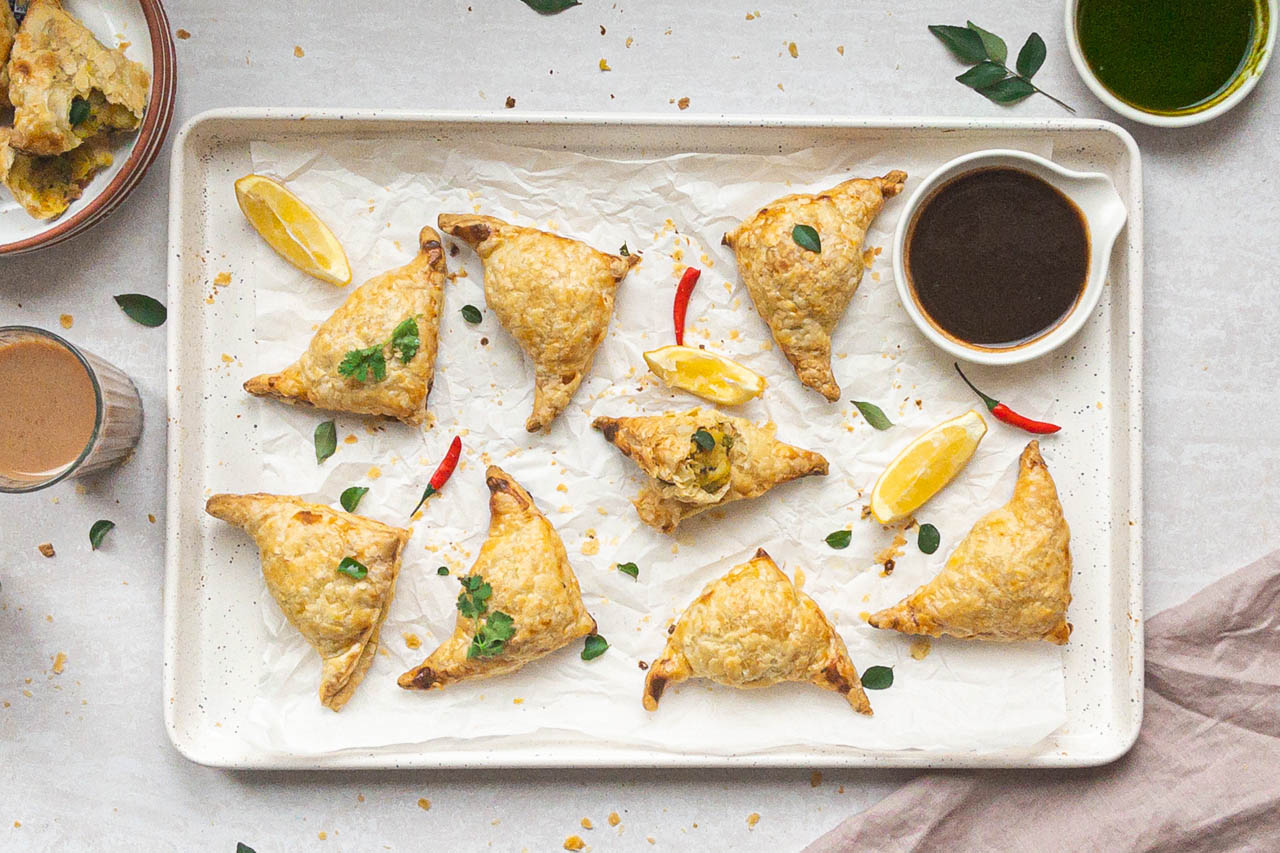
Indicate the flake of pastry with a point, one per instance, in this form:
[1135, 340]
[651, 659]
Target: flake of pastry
[524, 564]
[302, 545]
[1008, 579]
[614, 819]
[46, 548]
[369, 315]
[554, 295]
[55, 65]
[802, 294]
[753, 628]
[735, 459]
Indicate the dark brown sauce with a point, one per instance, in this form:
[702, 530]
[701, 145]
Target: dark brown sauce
[997, 256]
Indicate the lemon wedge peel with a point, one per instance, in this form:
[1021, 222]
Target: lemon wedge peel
[925, 466]
[705, 374]
[292, 229]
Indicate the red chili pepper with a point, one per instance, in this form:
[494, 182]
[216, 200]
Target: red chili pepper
[443, 473]
[1004, 414]
[683, 291]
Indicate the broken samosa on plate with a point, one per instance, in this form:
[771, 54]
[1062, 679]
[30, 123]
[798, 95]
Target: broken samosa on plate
[46, 186]
[703, 458]
[307, 553]
[8, 28]
[519, 602]
[1009, 579]
[554, 295]
[376, 354]
[754, 628]
[801, 258]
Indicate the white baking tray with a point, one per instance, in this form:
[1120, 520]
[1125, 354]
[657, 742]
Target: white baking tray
[211, 667]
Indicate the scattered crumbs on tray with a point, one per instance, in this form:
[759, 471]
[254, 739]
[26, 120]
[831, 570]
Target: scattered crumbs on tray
[815, 778]
[59, 661]
[590, 545]
[683, 103]
[753, 819]
[793, 50]
[562, 488]
[614, 820]
[359, 798]
[226, 359]
[374, 472]
[424, 804]
[630, 41]
[840, 49]
[182, 34]
[511, 102]
[350, 438]
[519, 700]
[322, 835]
[46, 548]
[66, 320]
[799, 579]
[604, 65]
[222, 279]
[920, 647]
[864, 615]
[587, 824]
[411, 640]
[151, 517]
[298, 51]
[574, 842]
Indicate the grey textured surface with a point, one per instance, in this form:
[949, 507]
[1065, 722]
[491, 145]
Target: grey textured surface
[86, 762]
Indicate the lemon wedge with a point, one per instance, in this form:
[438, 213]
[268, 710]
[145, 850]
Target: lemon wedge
[292, 229]
[926, 465]
[709, 376]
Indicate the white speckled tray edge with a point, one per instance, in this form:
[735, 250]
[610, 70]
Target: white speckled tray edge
[212, 150]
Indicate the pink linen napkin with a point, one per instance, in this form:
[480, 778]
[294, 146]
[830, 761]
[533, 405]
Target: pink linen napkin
[1203, 775]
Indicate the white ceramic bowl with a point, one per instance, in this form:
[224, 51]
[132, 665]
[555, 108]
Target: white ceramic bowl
[1264, 44]
[1104, 214]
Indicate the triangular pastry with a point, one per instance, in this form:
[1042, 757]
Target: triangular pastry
[802, 294]
[54, 61]
[701, 459]
[8, 28]
[46, 186]
[1009, 579]
[554, 295]
[753, 628]
[303, 545]
[530, 587]
[323, 376]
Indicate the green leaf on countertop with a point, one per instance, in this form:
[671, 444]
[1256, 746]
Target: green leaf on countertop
[1032, 55]
[983, 74]
[471, 314]
[550, 7]
[929, 538]
[79, 111]
[352, 567]
[624, 251]
[840, 539]
[873, 414]
[992, 44]
[961, 41]
[806, 237]
[704, 440]
[326, 439]
[629, 569]
[877, 677]
[491, 636]
[241, 847]
[351, 497]
[594, 646]
[99, 531]
[442, 571]
[142, 309]
[1008, 91]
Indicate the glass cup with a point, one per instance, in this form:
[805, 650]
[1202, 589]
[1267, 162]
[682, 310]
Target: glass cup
[117, 422]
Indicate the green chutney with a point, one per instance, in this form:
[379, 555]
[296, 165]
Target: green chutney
[1169, 56]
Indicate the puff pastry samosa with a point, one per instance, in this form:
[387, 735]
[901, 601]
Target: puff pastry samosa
[531, 585]
[554, 295]
[46, 186]
[802, 294]
[302, 546]
[701, 459]
[369, 319]
[1009, 579]
[753, 628]
[8, 28]
[56, 60]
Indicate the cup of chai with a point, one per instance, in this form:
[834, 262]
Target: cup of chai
[64, 412]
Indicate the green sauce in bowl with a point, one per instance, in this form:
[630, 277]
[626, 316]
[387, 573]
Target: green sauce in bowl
[1171, 56]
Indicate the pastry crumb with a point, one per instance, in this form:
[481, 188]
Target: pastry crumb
[815, 778]
[511, 102]
[586, 823]
[350, 439]
[519, 700]
[753, 819]
[359, 798]
[226, 359]
[59, 663]
[614, 819]
[683, 103]
[840, 49]
[411, 640]
[322, 835]
[66, 320]
[573, 842]
[375, 472]
[920, 647]
[424, 804]
[45, 548]
[793, 50]
[298, 51]
[604, 65]
[182, 34]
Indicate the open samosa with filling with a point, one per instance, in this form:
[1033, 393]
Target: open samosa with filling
[376, 354]
[701, 459]
[754, 628]
[801, 280]
[1009, 579]
[554, 295]
[46, 186]
[332, 573]
[519, 602]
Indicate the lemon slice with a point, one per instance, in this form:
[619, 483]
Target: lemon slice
[710, 376]
[926, 465]
[292, 229]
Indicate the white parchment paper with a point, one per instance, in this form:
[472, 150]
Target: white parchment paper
[377, 194]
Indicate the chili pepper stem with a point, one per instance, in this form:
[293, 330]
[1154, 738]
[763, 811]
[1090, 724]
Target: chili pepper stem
[990, 401]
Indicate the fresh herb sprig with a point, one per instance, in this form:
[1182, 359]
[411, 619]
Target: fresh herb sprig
[987, 53]
[362, 363]
[492, 630]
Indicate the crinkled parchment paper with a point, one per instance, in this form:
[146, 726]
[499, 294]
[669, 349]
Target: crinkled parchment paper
[377, 194]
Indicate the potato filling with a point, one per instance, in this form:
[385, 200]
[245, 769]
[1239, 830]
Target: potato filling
[709, 458]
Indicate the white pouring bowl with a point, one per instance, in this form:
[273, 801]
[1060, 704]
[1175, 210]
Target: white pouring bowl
[1104, 215]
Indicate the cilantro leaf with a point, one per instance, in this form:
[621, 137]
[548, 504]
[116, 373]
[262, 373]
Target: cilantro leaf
[352, 567]
[473, 601]
[704, 440]
[359, 363]
[491, 637]
[404, 339]
[629, 569]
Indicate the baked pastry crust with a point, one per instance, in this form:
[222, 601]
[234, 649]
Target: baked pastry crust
[801, 294]
[684, 480]
[56, 59]
[525, 563]
[368, 317]
[554, 295]
[8, 28]
[302, 545]
[753, 628]
[46, 186]
[1009, 579]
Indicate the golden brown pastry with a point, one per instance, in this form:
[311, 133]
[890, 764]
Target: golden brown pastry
[701, 459]
[46, 186]
[532, 607]
[8, 28]
[328, 376]
[802, 294]
[1009, 579]
[54, 61]
[554, 295]
[302, 547]
[753, 628]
